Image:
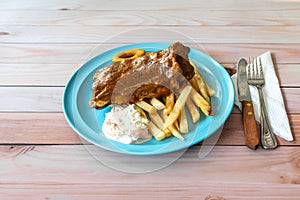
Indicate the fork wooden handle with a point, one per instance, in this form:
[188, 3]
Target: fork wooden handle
[250, 129]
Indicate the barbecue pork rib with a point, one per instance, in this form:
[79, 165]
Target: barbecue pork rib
[155, 74]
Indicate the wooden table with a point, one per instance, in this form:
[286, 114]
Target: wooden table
[43, 42]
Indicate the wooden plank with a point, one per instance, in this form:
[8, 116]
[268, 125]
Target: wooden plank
[112, 34]
[230, 53]
[77, 53]
[287, 75]
[291, 96]
[69, 171]
[31, 99]
[36, 128]
[33, 128]
[45, 99]
[150, 5]
[190, 17]
[58, 74]
[47, 53]
[36, 74]
[203, 190]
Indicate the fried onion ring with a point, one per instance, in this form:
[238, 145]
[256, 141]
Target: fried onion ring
[128, 54]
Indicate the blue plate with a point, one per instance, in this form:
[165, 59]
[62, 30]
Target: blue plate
[87, 122]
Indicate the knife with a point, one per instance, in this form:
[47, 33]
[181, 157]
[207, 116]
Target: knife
[250, 129]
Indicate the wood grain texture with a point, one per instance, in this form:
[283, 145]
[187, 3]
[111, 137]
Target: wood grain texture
[48, 53]
[45, 99]
[151, 5]
[34, 128]
[192, 17]
[250, 130]
[117, 34]
[208, 191]
[36, 74]
[32, 99]
[230, 172]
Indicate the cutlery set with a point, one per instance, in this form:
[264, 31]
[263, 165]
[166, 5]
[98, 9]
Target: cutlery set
[251, 73]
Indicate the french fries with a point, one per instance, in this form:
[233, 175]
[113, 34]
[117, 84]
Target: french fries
[158, 122]
[169, 103]
[172, 128]
[176, 133]
[178, 106]
[193, 110]
[156, 119]
[183, 123]
[176, 125]
[156, 132]
[170, 118]
[154, 116]
[201, 84]
[194, 83]
[201, 102]
[145, 106]
[202, 87]
[157, 104]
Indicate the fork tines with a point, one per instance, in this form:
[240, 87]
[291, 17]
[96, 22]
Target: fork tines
[254, 69]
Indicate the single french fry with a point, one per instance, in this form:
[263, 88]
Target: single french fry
[178, 106]
[156, 119]
[183, 123]
[154, 116]
[201, 102]
[175, 132]
[156, 132]
[170, 99]
[145, 106]
[157, 104]
[195, 114]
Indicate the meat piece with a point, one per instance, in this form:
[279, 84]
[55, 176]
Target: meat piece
[153, 75]
[182, 57]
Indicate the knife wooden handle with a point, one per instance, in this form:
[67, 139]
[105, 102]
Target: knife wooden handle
[250, 129]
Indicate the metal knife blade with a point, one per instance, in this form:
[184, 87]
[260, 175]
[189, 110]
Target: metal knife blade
[243, 88]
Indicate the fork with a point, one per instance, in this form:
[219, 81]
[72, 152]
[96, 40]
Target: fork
[255, 77]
